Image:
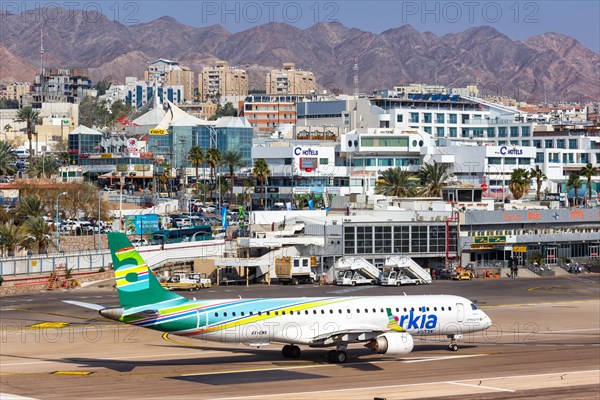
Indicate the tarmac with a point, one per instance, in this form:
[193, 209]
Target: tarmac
[545, 343]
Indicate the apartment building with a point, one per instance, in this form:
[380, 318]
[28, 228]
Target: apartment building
[222, 81]
[170, 73]
[60, 85]
[290, 80]
[264, 112]
[17, 91]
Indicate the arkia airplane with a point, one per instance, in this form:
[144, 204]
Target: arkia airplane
[385, 324]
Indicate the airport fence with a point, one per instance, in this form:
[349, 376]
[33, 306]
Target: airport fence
[41, 264]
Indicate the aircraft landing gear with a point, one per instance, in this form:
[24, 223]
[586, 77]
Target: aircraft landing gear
[337, 356]
[291, 351]
[453, 346]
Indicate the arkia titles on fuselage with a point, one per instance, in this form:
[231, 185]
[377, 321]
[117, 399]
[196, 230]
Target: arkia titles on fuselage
[385, 324]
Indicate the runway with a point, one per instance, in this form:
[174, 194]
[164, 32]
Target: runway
[545, 343]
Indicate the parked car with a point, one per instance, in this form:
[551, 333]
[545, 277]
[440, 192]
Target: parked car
[139, 242]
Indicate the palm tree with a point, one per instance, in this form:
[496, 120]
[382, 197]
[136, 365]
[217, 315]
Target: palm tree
[11, 238]
[433, 177]
[39, 233]
[574, 182]
[588, 171]
[196, 157]
[261, 172]
[232, 159]
[539, 176]
[395, 182]
[32, 206]
[30, 117]
[213, 158]
[519, 183]
[44, 167]
[7, 158]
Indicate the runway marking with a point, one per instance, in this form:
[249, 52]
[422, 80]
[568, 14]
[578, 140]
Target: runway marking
[48, 325]
[305, 366]
[8, 396]
[480, 386]
[71, 373]
[426, 359]
[349, 290]
[316, 392]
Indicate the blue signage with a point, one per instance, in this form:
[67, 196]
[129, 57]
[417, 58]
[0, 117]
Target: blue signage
[143, 224]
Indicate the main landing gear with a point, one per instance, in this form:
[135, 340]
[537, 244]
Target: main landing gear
[337, 356]
[291, 351]
[453, 338]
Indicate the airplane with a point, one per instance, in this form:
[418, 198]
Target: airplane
[384, 324]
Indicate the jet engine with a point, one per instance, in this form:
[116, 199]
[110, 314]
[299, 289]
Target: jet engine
[394, 343]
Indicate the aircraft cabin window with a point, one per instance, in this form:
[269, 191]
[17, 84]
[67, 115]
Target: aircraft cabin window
[243, 313]
[473, 307]
[434, 308]
[233, 314]
[404, 309]
[276, 312]
[366, 310]
[381, 309]
[449, 308]
[427, 308]
[268, 312]
[216, 314]
[412, 309]
[340, 310]
[358, 311]
[374, 310]
[251, 312]
[331, 311]
[224, 314]
[442, 308]
[283, 312]
[397, 309]
[306, 312]
[260, 313]
[322, 311]
[348, 310]
[314, 311]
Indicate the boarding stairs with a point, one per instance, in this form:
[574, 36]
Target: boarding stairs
[359, 264]
[409, 267]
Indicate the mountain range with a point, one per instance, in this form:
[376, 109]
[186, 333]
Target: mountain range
[552, 65]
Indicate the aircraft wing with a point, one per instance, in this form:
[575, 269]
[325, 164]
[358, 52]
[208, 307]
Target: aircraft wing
[356, 334]
[91, 306]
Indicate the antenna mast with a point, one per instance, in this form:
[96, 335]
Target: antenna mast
[355, 68]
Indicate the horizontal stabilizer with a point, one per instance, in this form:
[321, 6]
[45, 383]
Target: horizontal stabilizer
[91, 306]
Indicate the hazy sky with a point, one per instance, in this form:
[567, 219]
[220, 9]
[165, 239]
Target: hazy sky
[517, 19]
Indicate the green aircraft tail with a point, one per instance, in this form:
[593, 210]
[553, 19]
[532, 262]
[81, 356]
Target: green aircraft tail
[136, 284]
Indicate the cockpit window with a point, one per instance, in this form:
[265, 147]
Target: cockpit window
[473, 307]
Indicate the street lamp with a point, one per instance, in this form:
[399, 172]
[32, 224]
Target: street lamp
[98, 221]
[56, 222]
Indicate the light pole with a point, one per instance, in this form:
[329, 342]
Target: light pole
[56, 222]
[98, 222]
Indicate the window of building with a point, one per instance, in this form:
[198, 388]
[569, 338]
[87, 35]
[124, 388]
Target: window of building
[399, 118]
[514, 131]
[525, 131]
[525, 143]
[548, 144]
[385, 162]
[414, 117]
[287, 161]
[572, 144]
[495, 160]
[427, 129]
[453, 132]
[491, 133]
[524, 161]
[439, 132]
[501, 131]
[452, 119]
[539, 158]
[510, 161]
[383, 239]
[439, 118]
[537, 144]
[560, 143]
[364, 239]
[426, 118]
[323, 161]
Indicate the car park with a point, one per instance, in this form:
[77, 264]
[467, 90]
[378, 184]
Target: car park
[139, 242]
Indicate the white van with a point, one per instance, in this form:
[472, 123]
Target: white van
[21, 153]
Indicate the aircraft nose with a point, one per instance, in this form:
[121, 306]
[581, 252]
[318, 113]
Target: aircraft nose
[487, 321]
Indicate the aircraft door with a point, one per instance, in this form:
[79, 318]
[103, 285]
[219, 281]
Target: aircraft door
[202, 319]
[460, 310]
